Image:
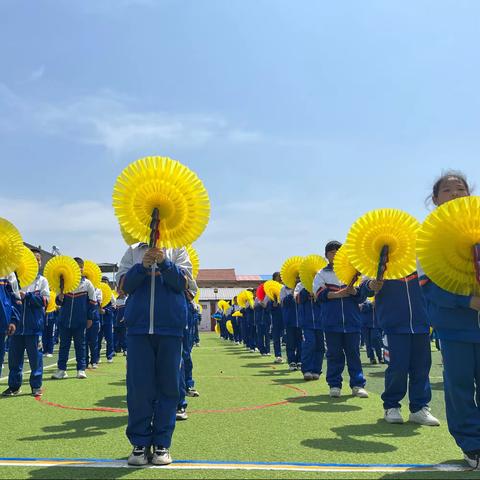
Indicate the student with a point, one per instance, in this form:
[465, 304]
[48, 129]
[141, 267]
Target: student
[277, 323]
[9, 300]
[292, 328]
[262, 323]
[341, 324]
[91, 336]
[456, 321]
[371, 333]
[28, 335]
[48, 333]
[107, 315]
[76, 315]
[313, 346]
[250, 327]
[156, 316]
[402, 316]
[120, 329]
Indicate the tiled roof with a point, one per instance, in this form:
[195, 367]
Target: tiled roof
[217, 274]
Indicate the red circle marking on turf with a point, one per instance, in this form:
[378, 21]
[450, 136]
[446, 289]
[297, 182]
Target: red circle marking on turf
[302, 393]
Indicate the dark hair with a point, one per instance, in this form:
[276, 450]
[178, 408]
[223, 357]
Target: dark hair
[333, 245]
[79, 260]
[275, 274]
[446, 175]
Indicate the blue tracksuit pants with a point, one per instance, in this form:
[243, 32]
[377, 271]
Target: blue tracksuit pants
[461, 374]
[120, 339]
[33, 345]
[409, 365]
[294, 344]
[277, 332]
[187, 345]
[373, 342]
[92, 352]
[341, 348]
[47, 337]
[2, 351]
[313, 350]
[251, 342]
[153, 388]
[106, 331]
[66, 335]
[263, 337]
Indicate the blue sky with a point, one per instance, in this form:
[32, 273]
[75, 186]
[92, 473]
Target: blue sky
[299, 115]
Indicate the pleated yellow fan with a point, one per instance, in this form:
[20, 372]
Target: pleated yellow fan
[310, 266]
[290, 271]
[223, 305]
[129, 239]
[106, 294]
[92, 271]
[445, 245]
[195, 259]
[217, 329]
[64, 267]
[229, 327]
[376, 229]
[11, 248]
[343, 268]
[245, 297]
[272, 289]
[237, 314]
[167, 185]
[200, 308]
[27, 270]
[196, 299]
[52, 305]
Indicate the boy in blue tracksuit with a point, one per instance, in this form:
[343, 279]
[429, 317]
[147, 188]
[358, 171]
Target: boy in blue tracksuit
[9, 303]
[313, 346]
[120, 329]
[250, 327]
[402, 315]
[278, 327]
[48, 333]
[456, 319]
[156, 317]
[341, 325]
[107, 315]
[28, 335]
[76, 315]
[371, 333]
[262, 324]
[292, 328]
[91, 335]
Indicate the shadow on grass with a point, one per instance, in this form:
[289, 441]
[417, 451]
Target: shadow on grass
[118, 401]
[77, 429]
[324, 403]
[362, 438]
[437, 386]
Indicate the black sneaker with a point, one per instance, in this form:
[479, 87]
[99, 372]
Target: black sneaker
[161, 456]
[139, 456]
[10, 392]
[181, 414]
[37, 392]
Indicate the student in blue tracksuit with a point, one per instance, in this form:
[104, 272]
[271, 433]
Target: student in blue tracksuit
[313, 346]
[250, 327]
[107, 315]
[262, 323]
[341, 325]
[92, 352]
[371, 332]
[28, 335]
[76, 315]
[402, 316]
[48, 333]
[278, 327]
[292, 328]
[156, 316]
[120, 329]
[456, 319]
[9, 314]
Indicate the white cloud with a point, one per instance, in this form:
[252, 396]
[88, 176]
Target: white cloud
[109, 120]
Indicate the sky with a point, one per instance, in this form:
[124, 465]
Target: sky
[298, 115]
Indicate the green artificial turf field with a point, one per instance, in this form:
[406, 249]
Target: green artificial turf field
[298, 422]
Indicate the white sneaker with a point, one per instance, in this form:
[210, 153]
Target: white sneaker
[359, 392]
[161, 456]
[278, 360]
[335, 392]
[59, 374]
[110, 360]
[307, 376]
[81, 374]
[393, 415]
[49, 355]
[424, 417]
[315, 376]
[139, 456]
[473, 462]
[94, 366]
